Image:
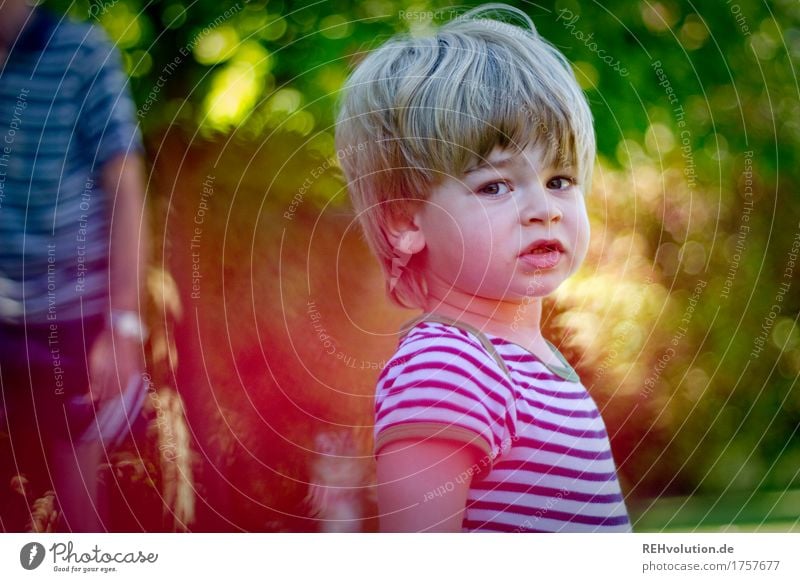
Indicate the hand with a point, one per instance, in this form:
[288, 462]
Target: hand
[112, 361]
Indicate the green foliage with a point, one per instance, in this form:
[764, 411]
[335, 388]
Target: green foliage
[729, 65]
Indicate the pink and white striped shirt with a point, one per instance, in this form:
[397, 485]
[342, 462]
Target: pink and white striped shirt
[546, 462]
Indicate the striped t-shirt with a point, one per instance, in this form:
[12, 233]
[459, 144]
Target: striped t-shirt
[546, 462]
[65, 110]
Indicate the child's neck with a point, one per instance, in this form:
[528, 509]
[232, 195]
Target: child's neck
[517, 322]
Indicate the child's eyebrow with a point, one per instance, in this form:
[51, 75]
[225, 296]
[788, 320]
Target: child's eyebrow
[490, 164]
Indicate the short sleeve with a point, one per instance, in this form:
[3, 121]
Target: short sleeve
[441, 383]
[107, 120]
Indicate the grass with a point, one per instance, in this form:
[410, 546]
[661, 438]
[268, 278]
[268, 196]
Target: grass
[777, 511]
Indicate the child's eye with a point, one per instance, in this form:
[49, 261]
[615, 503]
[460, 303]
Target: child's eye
[561, 183]
[494, 189]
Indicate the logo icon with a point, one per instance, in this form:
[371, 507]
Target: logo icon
[31, 555]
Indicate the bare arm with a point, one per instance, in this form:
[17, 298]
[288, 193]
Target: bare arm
[423, 485]
[122, 181]
[115, 359]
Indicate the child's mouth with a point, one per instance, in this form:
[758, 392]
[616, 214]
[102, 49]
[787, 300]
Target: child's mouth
[541, 258]
[542, 254]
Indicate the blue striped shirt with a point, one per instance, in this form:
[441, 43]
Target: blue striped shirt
[65, 110]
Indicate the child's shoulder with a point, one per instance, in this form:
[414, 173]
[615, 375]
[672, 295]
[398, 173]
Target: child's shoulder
[435, 331]
[432, 346]
[439, 337]
[442, 382]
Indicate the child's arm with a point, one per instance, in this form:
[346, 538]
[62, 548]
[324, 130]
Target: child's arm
[423, 485]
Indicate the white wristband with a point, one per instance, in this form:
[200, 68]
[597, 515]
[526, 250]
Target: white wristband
[128, 324]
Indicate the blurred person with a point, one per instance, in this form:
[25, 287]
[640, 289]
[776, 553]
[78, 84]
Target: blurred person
[468, 152]
[72, 249]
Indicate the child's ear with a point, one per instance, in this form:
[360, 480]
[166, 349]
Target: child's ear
[406, 236]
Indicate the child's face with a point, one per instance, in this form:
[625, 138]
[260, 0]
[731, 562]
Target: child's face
[478, 229]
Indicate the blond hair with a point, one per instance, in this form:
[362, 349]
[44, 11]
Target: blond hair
[420, 109]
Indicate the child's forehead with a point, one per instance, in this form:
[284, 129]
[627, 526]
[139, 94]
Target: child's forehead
[533, 155]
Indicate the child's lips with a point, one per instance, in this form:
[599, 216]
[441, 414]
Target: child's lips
[542, 254]
[541, 259]
[552, 244]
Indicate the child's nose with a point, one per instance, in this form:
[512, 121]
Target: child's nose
[538, 207]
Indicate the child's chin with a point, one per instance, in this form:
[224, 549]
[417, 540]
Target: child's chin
[535, 287]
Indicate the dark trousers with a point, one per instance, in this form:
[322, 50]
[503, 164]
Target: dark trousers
[43, 375]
